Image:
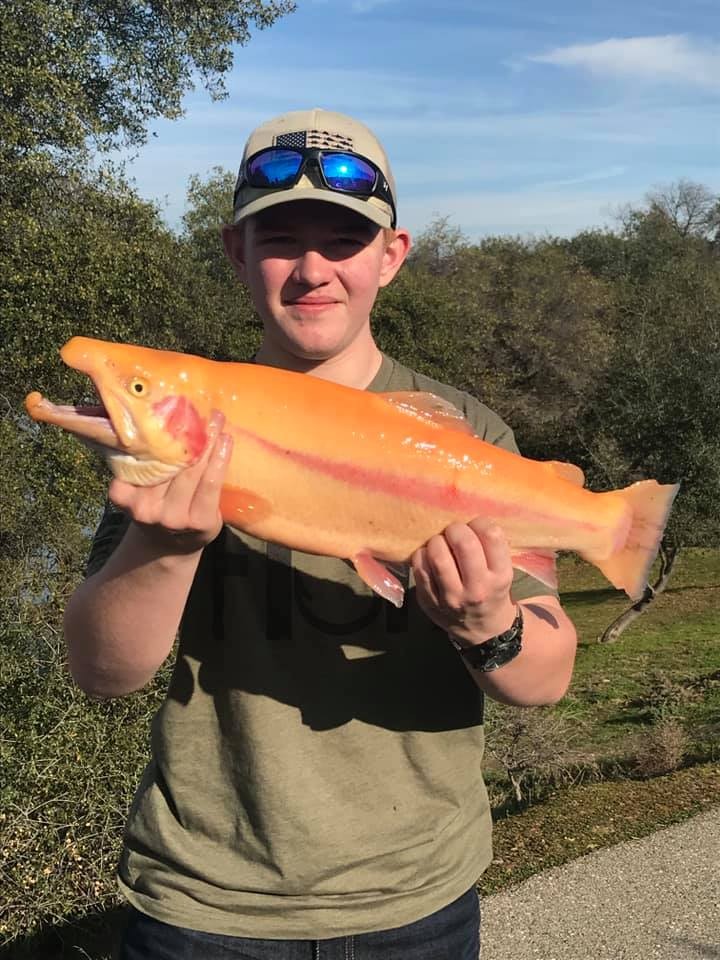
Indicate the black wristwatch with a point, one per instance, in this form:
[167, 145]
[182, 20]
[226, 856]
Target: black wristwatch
[497, 651]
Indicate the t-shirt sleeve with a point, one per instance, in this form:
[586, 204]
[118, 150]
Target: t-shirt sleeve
[110, 531]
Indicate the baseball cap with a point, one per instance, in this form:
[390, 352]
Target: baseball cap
[315, 128]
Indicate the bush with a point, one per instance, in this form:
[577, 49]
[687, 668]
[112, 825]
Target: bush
[662, 749]
[70, 768]
[534, 747]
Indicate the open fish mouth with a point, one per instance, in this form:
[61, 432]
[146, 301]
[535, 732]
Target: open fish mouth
[93, 426]
[90, 423]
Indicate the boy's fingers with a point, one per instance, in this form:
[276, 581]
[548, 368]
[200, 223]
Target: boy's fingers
[126, 495]
[189, 500]
[495, 546]
[467, 550]
[442, 567]
[206, 497]
[180, 492]
[423, 578]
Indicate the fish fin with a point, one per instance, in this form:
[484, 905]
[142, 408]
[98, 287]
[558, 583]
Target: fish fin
[399, 569]
[567, 471]
[377, 576]
[242, 508]
[628, 567]
[539, 564]
[428, 406]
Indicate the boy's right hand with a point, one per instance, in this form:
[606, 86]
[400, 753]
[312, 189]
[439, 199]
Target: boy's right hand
[181, 515]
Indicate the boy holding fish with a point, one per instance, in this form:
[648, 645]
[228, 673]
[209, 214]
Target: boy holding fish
[315, 787]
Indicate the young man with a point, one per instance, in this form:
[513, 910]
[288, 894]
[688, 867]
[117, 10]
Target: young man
[315, 787]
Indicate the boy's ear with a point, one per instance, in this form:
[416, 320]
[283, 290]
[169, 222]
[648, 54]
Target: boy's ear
[397, 248]
[234, 243]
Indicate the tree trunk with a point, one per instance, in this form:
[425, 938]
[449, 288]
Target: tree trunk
[516, 782]
[668, 555]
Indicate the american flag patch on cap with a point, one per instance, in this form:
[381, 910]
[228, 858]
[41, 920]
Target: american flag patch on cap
[295, 141]
[313, 138]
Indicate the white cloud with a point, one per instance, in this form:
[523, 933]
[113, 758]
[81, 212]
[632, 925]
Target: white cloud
[592, 176]
[675, 57]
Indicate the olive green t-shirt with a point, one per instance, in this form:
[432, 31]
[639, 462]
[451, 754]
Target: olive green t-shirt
[316, 766]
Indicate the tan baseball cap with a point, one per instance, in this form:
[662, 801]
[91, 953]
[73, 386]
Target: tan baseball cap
[315, 128]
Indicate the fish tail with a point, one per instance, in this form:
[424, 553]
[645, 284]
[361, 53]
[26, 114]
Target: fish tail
[628, 566]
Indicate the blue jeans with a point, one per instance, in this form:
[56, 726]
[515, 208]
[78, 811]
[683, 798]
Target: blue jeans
[452, 933]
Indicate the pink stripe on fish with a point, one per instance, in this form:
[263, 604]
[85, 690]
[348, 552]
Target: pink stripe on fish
[444, 496]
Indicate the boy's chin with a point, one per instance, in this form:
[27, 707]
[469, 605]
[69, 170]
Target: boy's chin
[315, 349]
[316, 354]
[285, 350]
[312, 343]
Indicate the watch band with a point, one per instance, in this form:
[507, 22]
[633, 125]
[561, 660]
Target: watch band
[497, 651]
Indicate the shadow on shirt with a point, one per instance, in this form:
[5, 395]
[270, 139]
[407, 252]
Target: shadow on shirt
[256, 624]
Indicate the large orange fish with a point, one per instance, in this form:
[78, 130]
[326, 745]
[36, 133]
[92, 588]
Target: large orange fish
[331, 470]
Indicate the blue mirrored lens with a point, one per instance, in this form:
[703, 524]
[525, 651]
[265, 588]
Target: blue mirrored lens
[343, 171]
[276, 168]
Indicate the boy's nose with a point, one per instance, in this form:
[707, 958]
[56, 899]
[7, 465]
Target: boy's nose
[311, 269]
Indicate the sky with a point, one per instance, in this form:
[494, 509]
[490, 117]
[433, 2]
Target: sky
[505, 116]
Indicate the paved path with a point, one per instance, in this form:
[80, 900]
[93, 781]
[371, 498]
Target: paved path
[652, 899]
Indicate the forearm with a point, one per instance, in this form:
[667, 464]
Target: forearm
[121, 623]
[541, 672]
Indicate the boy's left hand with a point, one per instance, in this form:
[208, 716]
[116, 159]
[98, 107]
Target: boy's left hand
[463, 578]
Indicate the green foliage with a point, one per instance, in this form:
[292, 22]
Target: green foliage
[81, 254]
[676, 220]
[434, 251]
[85, 256]
[70, 767]
[513, 322]
[603, 253]
[689, 207]
[210, 207]
[654, 413]
[101, 71]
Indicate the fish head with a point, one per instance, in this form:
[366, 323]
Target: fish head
[153, 417]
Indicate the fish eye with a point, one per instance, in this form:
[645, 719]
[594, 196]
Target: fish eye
[138, 387]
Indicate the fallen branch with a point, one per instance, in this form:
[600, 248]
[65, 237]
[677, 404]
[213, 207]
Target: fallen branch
[668, 554]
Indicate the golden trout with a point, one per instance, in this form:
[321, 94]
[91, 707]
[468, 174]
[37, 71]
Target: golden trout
[366, 477]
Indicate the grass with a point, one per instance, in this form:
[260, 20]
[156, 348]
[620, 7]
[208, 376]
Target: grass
[666, 664]
[70, 766]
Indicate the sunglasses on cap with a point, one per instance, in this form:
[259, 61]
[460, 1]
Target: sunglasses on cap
[280, 168]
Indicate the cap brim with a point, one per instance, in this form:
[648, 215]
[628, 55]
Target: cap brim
[366, 208]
